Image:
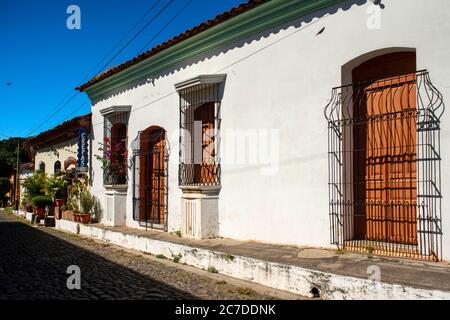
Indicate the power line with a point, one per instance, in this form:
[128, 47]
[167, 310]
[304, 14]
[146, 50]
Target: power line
[60, 107]
[122, 39]
[139, 32]
[166, 25]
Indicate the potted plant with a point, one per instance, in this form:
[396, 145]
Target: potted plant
[34, 185]
[39, 204]
[87, 202]
[57, 188]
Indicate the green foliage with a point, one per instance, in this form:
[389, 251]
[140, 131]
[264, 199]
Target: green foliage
[87, 201]
[177, 258]
[5, 187]
[9, 210]
[160, 256]
[8, 156]
[56, 186]
[212, 270]
[41, 201]
[229, 257]
[74, 193]
[35, 185]
[177, 232]
[114, 161]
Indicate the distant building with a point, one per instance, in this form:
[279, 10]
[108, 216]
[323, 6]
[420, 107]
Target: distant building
[58, 149]
[16, 194]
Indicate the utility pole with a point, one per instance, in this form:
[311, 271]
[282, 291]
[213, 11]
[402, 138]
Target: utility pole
[17, 177]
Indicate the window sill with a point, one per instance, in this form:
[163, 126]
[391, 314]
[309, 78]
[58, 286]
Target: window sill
[200, 188]
[115, 186]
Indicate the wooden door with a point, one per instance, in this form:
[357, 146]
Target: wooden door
[384, 157]
[152, 177]
[204, 172]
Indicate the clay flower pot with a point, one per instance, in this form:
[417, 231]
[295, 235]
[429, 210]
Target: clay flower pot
[83, 217]
[40, 212]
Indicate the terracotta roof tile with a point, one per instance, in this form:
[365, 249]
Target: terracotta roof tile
[175, 40]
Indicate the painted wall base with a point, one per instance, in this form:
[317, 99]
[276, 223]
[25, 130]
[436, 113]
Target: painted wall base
[200, 212]
[290, 278]
[115, 209]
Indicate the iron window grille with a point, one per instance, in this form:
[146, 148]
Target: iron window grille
[401, 217]
[199, 136]
[150, 202]
[115, 135]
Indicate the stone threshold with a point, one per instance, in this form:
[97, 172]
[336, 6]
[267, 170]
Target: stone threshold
[300, 270]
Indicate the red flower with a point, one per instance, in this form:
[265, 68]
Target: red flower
[106, 139]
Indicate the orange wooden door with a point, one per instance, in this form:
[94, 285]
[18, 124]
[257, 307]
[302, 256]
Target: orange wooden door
[152, 177]
[385, 170]
[204, 172]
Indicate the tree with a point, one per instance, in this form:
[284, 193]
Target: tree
[5, 187]
[8, 156]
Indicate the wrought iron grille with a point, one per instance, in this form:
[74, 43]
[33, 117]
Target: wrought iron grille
[199, 136]
[150, 184]
[384, 167]
[115, 136]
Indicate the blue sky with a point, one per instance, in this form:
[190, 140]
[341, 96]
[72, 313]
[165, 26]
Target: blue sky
[42, 61]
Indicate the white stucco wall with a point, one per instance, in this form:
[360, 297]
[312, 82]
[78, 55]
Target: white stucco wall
[61, 151]
[283, 82]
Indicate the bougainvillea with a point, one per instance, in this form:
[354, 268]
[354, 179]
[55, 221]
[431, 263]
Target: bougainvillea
[114, 160]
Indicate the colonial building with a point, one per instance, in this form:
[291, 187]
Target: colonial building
[316, 123]
[63, 148]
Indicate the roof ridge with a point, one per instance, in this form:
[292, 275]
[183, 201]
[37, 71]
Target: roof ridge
[208, 24]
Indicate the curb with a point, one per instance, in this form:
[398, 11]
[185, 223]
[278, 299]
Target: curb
[290, 278]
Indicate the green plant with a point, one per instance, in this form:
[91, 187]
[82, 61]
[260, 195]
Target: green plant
[369, 250]
[229, 257]
[56, 186]
[87, 201]
[114, 160]
[5, 186]
[177, 232]
[41, 201]
[74, 193]
[35, 185]
[177, 258]
[212, 270]
[160, 256]
[9, 210]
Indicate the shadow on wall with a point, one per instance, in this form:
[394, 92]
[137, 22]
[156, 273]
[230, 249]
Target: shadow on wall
[150, 78]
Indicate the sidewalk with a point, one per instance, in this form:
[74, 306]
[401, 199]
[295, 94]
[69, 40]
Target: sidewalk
[304, 271]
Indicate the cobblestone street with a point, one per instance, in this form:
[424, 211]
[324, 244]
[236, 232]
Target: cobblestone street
[34, 261]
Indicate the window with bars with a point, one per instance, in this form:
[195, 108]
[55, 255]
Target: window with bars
[385, 166]
[115, 153]
[199, 135]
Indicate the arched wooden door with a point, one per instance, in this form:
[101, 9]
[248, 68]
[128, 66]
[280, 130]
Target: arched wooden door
[152, 186]
[384, 149]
